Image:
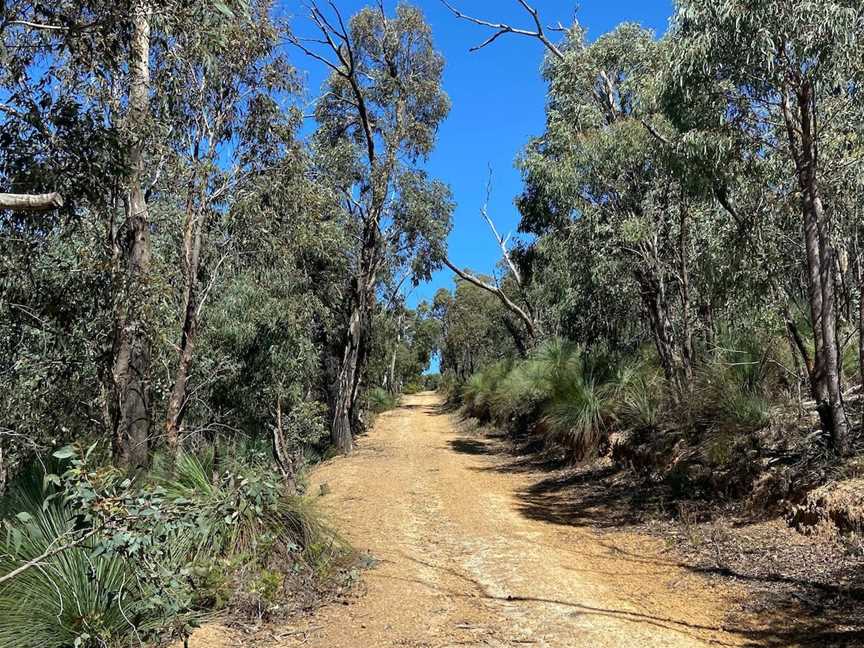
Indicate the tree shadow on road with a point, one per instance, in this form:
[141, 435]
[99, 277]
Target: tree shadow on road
[800, 593]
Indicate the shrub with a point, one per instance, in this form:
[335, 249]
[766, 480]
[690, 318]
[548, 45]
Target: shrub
[380, 400]
[580, 409]
[477, 394]
[153, 554]
[78, 597]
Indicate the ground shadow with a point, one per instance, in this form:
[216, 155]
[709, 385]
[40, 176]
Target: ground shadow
[791, 604]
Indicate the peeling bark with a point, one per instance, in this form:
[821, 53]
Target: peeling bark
[131, 370]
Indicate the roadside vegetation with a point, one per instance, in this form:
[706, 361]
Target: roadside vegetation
[202, 295]
[686, 297]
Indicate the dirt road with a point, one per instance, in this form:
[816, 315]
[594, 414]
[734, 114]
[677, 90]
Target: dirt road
[461, 564]
[461, 559]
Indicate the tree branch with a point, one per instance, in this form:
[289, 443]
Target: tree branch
[48, 553]
[495, 290]
[503, 28]
[31, 202]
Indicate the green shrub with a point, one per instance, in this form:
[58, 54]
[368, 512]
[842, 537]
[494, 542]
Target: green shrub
[77, 597]
[380, 400]
[478, 392]
[158, 553]
[580, 410]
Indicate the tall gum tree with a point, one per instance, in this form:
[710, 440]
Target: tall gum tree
[378, 116]
[223, 79]
[790, 75]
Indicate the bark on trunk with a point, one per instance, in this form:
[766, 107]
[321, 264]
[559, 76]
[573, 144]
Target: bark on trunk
[131, 371]
[820, 265]
[2, 469]
[341, 434]
[861, 319]
[285, 459]
[191, 260]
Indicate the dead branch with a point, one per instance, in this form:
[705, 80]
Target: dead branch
[31, 202]
[529, 322]
[48, 553]
[503, 28]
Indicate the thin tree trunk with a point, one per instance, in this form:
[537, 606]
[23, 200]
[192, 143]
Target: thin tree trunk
[392, 387]
[3, 473]
[285, 460]
[341, 431]
[687, 332]
[860, 318]
[530, 325]
[131, 371]
[191, 260]
[820, 258]
[654, 301]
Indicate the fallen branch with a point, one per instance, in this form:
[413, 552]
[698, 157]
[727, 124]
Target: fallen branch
[45, 555]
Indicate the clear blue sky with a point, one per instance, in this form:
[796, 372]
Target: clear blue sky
[498, 99]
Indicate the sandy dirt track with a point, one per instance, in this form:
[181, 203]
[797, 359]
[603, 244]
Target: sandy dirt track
[462, 562]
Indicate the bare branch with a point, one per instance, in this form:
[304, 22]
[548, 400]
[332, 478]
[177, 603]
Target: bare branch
[503, 28]
[529, 322]
[655, 132]
[37, 26]
[502, 243]
[31, 202]
[48, 553]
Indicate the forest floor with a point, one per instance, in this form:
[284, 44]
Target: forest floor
[461, 555]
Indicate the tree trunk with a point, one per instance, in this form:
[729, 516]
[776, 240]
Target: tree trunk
[341, 431]
[392, 387]
[3, 474]
[191, 260]
[860, 318]
[131, 371]
[285, 459]
[820, 266]
[653, 299]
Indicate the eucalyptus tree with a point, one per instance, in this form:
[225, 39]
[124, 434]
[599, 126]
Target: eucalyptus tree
[789, 75]
[602, 168]
[378, 117]
[220, 85]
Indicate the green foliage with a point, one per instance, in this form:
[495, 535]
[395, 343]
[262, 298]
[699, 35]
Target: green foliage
[151, 556]
[380, 400]
[79, 597]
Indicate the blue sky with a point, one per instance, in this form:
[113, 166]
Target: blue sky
[498, 99]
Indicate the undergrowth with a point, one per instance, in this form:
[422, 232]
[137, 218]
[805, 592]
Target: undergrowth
[155, 555]
[584, 402]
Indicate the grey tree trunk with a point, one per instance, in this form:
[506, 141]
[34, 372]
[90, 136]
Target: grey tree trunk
[192, 229]
[341, 433]
[131, 369]
[820, 262]
[2, 469]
